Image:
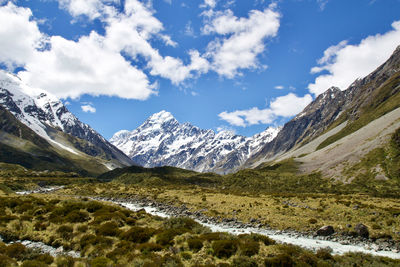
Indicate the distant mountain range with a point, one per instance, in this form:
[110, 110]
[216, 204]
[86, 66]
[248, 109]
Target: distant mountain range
[162, 141]
[50, 120]
[338, 129]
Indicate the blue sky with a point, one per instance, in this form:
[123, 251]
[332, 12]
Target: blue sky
[218, 64]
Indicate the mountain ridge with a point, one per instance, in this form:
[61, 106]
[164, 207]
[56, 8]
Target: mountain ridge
[364, 101]
[48, 117]
[162, 140]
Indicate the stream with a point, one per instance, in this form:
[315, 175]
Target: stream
[279, 236]
[308, 242]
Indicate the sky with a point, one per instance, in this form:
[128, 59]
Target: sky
[234, 65]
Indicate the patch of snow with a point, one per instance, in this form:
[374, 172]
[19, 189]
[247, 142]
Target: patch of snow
[64, 147]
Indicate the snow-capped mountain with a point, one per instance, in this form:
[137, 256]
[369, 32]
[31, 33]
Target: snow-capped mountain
[46, 115]
[162, 141]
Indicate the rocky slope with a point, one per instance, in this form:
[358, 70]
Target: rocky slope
[365, 100]
[49, 118]
[162, 141]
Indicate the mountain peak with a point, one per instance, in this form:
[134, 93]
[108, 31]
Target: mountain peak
[161, 116]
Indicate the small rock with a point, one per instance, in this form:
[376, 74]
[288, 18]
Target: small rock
[325, 231]
[362, 230]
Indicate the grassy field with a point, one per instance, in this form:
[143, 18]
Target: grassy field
[108, 235]
[272, 195]
[300, 212]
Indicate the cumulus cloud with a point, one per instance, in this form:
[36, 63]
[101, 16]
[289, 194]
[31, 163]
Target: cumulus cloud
[88, 108]
[345, 63]
[93, 64]
[279, 87]
[19, 36]
[283, 106]
[242, 41]
[70, 69]
[209, 3]
[91, 8]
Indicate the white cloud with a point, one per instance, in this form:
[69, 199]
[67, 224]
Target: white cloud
[19, 36]
[279, 87]
[71, 69]
[131, 33]
[209, 3]
[284, 106]
[189, 31]
[289, 105]
[67, 68]
[345, 63]
[88, 108]
[91, 8]
[322, 3]
[93, 64]
[243, 39]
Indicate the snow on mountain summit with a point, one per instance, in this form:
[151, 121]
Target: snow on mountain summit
[45, 114]
[161, 140]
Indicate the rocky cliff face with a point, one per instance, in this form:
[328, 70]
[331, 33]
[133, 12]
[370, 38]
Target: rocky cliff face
[335, 106]
[46, 115]
[162, 141]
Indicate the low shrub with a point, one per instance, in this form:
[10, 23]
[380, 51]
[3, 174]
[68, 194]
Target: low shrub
[16, 251]
[7, 261]
[93, 206]
[224, 248]
[312, 221]
[108, 229]
[46, 258]
[77, 216]
[82, 228]
[65, 231]
[281, 260]
[324, 254]
[8, 218]
[249, 247]
[215, 236]
[66, 261]
[195, 244]
[186, 255]
[40, 226]
[181, 223]
[259, 238]
[33, 263]
[100, 262]
[137, 234]
[87, 240]
[166, 237]
[149, 247]
[308, 259]
[243, 261]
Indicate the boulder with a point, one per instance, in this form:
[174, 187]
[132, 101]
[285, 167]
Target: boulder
[325, 230]
[362, 230]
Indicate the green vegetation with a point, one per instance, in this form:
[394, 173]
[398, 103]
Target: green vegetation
[158, 176]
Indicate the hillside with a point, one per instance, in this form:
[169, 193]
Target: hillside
[341, 127]
[54, 127]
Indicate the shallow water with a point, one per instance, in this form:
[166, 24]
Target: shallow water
[302, 241]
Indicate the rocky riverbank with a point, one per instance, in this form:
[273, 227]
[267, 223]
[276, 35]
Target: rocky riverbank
[339, 242]
[45, 249]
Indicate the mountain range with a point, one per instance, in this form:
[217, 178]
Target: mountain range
[162, 141]
[334, 114]
[338, 128]
[49, 121]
